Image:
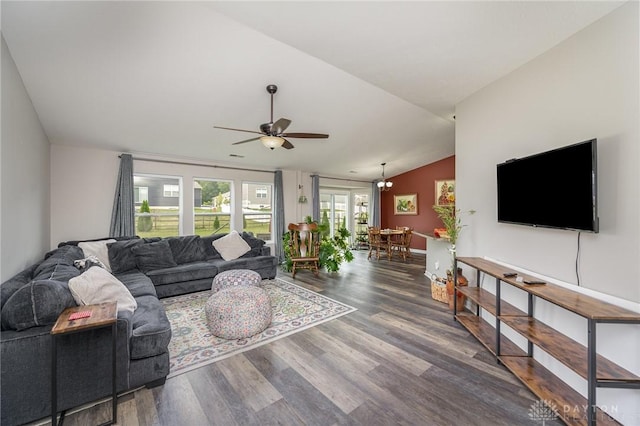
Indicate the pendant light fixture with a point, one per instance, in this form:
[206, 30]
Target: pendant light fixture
[384, 185]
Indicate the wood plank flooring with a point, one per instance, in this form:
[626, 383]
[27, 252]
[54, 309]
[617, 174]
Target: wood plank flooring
[400, 359]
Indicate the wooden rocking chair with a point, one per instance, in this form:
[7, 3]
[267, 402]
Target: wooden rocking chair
[304, 246]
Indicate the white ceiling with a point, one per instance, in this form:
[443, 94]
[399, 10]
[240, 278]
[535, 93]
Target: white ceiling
[381, 78]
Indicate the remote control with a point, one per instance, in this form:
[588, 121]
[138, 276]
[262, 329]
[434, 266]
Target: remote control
[534, 282]
[509, 274]
[79, 315]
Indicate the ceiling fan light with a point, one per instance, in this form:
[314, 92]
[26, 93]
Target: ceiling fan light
[380, 184]
[389, 184]
[271, 142]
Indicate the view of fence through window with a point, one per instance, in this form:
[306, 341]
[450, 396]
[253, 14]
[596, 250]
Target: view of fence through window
[157, 204]
[212, 206]
[257, 213]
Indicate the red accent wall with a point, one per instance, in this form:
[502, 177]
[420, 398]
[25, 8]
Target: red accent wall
[420, 181]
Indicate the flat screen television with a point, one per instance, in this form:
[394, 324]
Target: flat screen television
[553, 189]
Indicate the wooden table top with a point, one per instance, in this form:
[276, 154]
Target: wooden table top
[391, 231]
[101, 315]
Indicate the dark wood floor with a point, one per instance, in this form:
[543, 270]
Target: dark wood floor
[399, 359]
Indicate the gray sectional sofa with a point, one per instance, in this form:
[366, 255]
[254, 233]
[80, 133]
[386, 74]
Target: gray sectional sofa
[150, 269]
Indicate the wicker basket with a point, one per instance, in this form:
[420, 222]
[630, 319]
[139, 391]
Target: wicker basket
[439, 291]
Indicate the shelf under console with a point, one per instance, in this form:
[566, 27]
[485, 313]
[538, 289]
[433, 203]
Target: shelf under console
[566, 350]
[570, 405]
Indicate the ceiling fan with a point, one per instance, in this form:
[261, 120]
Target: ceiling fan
[272, 134]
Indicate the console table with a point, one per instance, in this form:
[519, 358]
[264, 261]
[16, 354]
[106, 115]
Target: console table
[585, 361]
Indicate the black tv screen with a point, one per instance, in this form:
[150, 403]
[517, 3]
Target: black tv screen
[553, 189]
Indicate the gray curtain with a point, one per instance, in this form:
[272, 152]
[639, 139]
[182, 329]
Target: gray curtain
[278, 216]
[122, 215]
[315, 197]
[375, 205]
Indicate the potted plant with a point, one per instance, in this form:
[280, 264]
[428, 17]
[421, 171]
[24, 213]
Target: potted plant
[450, 217]
[333, 250]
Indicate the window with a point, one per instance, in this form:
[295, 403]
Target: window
[212, 206]
[171, 191]
[140, 193]
[257, 214]
[261, 192]
[160, 216]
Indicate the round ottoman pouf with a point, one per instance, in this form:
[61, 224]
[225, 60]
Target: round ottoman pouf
[238, 312]
[234, 277]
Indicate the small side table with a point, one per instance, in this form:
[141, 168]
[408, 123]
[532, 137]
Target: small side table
[102, 315]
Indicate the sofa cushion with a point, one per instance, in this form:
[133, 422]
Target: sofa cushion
[153, 256]
[14, 283]
[231, 246]
[185, 272]
[121, 258]
[35, 304]
[58, 264]
[138, 283]
[256, 245]
[187, 249]
[210, 251]
[97, 285]
[253, 263]
[98, 249]
[151, 330]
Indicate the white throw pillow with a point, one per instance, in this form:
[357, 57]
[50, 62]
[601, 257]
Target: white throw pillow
[97, 285]
[98, 249]
[231, 246]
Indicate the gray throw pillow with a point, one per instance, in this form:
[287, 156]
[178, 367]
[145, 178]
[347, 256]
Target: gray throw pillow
[35, 304]
[153, 256]
[121, 258]
[187, 249]
[256, 245]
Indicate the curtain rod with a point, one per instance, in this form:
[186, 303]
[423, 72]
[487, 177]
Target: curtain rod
[184, 163]
[348, 180]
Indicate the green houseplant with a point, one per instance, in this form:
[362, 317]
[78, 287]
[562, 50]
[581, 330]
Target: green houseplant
[333, 250]
[451, 219]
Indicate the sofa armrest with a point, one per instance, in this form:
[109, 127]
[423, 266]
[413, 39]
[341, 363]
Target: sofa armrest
[266, 251]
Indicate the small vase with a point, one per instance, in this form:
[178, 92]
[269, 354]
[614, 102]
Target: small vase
[462, 282]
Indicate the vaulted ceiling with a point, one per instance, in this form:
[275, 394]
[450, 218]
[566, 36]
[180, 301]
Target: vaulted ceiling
[381, 78]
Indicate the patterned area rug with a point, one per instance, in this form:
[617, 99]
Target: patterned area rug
[294, 309]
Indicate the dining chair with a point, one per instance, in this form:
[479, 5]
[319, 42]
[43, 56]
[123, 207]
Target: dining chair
[304, 247]
[402, 244]
[376, 242]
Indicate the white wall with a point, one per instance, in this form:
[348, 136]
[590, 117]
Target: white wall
[24, 181]
[586, 87]
[83, 182]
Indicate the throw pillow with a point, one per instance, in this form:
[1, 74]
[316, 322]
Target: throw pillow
[97, 285]
[121, 258]
[231, 246]
[98, 249]
[186, 249]
[35, 304]
[153, 256]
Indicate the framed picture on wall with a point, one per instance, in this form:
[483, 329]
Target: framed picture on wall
[405, 204]
[445, 192]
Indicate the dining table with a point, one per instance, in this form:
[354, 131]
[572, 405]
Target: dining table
[389, 234]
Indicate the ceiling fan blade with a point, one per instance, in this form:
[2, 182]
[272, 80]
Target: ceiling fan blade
[280, 126]
[245, 141]
[305, 135]
[287, 144]
[237, 130]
